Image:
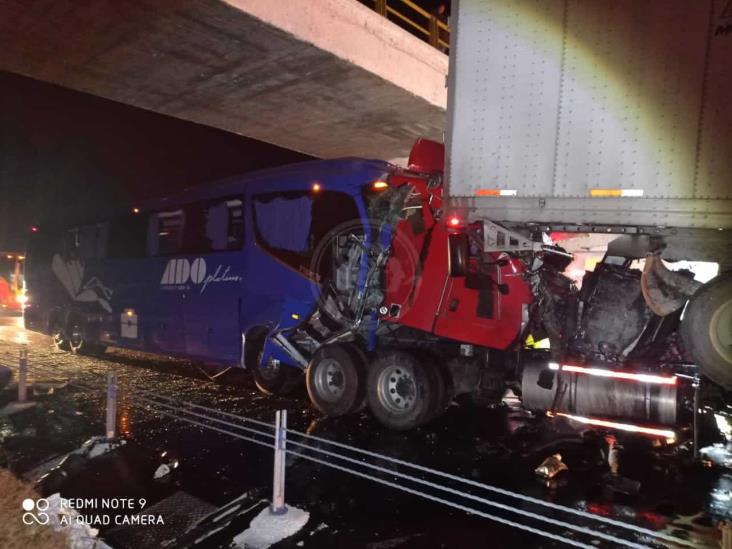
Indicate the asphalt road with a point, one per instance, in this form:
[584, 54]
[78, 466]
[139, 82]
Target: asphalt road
[498, 446]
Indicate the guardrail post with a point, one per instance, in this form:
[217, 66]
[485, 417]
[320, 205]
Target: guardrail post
[695, 385]
[23, 374]
[278, 506]
[111, 405]
[434, 31]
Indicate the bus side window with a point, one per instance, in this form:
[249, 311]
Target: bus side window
[235, 227]
[290, 226]
[282, 224]
[213, 226]
[169, 227]
[127, 237]
[89, 242]
[70, 245]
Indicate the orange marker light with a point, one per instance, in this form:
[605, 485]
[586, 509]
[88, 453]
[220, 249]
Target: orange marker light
[380, 185]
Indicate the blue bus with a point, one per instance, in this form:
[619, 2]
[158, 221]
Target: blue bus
[221, 273]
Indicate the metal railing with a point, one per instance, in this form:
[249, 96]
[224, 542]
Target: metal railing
[552, 521]
[421, 22]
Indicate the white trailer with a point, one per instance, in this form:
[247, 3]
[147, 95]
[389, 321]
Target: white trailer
[602, 116]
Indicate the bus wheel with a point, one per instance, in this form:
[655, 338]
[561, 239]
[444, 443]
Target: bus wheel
[336, 380]
[275, 378]
[58, 336]
[402, 390]
[77, 342]
[707, 329]
[75, 331]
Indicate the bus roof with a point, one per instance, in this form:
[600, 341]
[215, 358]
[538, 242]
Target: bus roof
[347, 175]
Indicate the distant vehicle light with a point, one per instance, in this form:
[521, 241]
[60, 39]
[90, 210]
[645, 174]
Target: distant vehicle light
[34, 229]
[9, 256]
[316, 187]
[640, 378]
[136, 210]
[454, 221]
[130, 312]
[380, 185]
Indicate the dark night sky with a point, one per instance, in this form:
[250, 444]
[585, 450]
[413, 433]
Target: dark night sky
[66, 155]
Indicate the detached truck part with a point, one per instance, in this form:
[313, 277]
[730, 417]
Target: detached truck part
[614, 117]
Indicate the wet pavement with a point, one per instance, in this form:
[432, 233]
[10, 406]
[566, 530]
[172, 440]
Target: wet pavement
[500, 446]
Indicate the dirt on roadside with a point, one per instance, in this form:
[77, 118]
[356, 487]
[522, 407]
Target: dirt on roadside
[14, 534]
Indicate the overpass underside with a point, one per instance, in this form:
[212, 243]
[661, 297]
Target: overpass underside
[329, 78]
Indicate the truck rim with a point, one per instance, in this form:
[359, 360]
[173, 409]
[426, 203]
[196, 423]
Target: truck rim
[397, 389]
[330, 380]
[720, 330]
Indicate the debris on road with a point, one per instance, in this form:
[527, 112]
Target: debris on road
[551, 467]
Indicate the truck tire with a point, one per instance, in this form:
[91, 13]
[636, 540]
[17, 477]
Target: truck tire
[336, 380]
[441, 380]
[706, 330]
[401, 390]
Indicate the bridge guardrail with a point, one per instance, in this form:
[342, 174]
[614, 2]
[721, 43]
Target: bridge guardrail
[426, 25]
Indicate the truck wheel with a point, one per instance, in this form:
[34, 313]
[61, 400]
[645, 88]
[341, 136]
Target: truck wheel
[707, 330]
[275, 378]
[336, 380]
[441, 380]
[401, 390]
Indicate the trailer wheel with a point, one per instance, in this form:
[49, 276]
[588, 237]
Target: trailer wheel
[401, 390]
[336, 380]
[707, 330]
[275, 378]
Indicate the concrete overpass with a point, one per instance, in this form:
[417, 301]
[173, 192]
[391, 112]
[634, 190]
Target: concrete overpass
[328, 77]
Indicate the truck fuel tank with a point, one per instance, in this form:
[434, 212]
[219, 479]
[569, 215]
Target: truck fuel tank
[600, 392]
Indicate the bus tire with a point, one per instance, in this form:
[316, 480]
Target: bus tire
[275, 378]
[57, 332]
[706, 330]
[401, 390]
[336, 380]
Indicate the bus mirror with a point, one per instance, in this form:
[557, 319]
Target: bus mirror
[459, 248]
